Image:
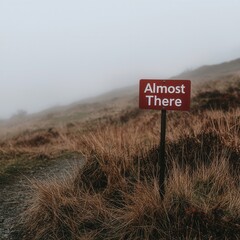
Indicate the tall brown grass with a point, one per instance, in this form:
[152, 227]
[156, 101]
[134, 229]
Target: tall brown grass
[115, 195]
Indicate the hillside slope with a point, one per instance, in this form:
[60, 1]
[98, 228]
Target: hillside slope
[115, 195]
[111, 103]
[210, 72]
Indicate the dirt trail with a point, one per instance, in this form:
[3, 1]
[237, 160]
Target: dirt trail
[13, 197]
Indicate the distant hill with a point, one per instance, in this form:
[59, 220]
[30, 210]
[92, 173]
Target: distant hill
[203, 74]
[209, 72]
[108, 104]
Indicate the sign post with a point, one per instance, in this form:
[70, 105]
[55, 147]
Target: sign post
[161, 156]
[164, 95]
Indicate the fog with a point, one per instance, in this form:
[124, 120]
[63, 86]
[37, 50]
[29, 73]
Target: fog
[55, 52]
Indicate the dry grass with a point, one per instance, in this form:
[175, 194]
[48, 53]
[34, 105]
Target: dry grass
[115, 195]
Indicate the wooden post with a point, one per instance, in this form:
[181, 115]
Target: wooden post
[161, 157]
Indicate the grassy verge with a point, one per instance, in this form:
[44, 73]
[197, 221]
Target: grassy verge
[116, 194]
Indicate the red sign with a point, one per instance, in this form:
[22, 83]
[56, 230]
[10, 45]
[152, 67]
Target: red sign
[165, 94]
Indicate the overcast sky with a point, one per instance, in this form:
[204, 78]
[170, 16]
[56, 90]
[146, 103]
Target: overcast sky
[55, 52]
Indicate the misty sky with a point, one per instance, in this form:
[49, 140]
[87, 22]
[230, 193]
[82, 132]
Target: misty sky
[55, 52]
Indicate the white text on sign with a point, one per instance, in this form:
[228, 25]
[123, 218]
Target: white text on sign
[165, 94]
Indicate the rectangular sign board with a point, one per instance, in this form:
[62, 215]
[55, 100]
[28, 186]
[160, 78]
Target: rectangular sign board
[165, 94]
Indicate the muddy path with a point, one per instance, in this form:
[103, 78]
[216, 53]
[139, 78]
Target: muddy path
[14, 196]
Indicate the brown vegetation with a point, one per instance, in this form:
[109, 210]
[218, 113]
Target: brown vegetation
[115, 195]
